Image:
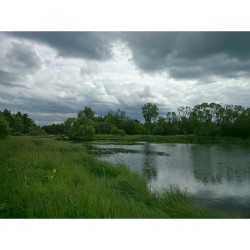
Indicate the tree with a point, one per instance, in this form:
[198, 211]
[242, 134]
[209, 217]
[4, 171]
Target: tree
[68, 124]
[186, 120]
[133, 127]
[117, 118]
[150, 113]
[82, 128]
[103, 127]
[4, 128]
[88, 112]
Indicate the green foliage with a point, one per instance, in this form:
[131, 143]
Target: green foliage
[45, 178]
[87, 112]
[117, 131]
[82, 127]
[37, 131]
[54, 129]
[205, 119]
[103, 127]
[117, 118]
[133, 127]
[150, 112]
[18, 123]
[85, 132]
[4, 128]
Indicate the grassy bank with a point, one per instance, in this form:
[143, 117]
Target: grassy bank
[45, 178]
[173, 139]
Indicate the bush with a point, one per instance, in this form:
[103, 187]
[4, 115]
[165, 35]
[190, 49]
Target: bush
[117, 131]
[82, 133]
[85, 132]
[37, 131]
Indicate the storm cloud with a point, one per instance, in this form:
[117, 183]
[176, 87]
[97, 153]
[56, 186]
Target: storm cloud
[91, 45]
[9, 79]
[53, 75]
[184, 55]
[22, 57]
[191, 55]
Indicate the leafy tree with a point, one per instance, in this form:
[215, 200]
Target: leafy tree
[27, 123]
[186, 122]
[68, 125]
[88, 112]
[54, 129]
[117, 118]
[82, 128]
[4, 128]
[133, 127]
[103, 127]
[150, 114]
[18, 123]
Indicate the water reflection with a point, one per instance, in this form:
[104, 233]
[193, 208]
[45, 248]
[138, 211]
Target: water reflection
[215, 174]
[213, 164]
[149, 169]
[204, 169]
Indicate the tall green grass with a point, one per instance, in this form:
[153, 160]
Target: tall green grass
[45, 178]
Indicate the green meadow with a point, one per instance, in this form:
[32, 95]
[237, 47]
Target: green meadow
[47, 178]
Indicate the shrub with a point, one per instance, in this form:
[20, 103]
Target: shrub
[37, 131]
[117, 131]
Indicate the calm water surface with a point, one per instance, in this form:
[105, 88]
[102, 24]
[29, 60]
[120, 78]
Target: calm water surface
[218, 176]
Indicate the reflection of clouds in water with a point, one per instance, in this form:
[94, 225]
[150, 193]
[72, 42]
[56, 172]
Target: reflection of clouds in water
[209, 171]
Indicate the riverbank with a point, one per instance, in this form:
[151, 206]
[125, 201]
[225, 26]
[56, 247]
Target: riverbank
[45, 178]
[194, 139]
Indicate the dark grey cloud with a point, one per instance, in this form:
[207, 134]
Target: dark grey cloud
[22, 57]
[185, 55]
[191, 55]
[59, 87]
[204, 68]
[91, 45]
[10, 79]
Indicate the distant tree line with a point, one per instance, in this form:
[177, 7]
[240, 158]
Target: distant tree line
[17, 124]
[206, 119]
[87, 124]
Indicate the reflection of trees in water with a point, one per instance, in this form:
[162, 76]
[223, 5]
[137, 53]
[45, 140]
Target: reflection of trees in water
[210, 167]
[149, 169]
[207, 177]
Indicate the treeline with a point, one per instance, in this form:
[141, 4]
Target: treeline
[87, 124]
[18, 124]
[206, 119]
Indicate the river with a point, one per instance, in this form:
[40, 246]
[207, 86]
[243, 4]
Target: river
[217, 176]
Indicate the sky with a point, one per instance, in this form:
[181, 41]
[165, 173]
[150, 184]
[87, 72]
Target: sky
[53, 75]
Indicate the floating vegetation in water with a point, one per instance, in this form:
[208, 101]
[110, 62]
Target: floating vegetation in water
[95, 149]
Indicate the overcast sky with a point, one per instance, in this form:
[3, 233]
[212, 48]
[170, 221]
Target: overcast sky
[53, 75]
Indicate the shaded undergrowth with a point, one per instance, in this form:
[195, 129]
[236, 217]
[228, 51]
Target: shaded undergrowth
[44, 178]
